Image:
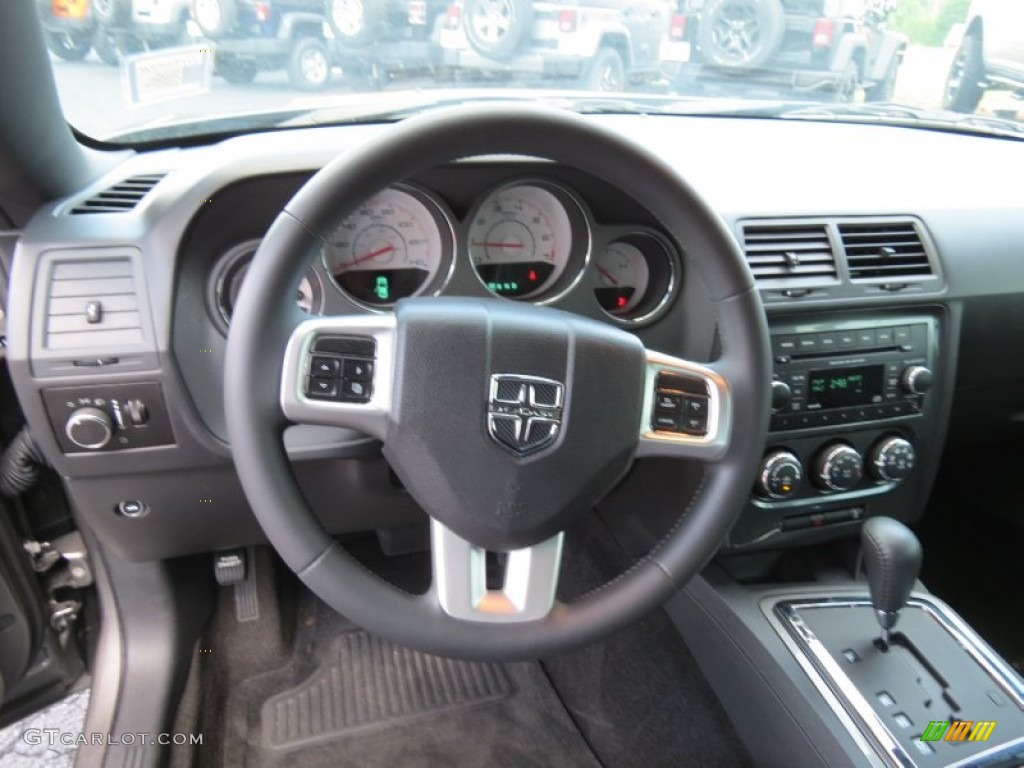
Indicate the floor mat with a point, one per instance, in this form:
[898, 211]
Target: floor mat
[352, 700]
[367, 681]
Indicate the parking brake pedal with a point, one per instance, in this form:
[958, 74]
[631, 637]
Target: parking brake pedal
[237, 568]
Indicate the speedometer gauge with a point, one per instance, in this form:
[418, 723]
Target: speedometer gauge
[520, 240]
[391, 247]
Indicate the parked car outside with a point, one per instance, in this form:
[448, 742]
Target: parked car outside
[378, 39]
[809, 47]
[255, 35]
[69, 27]
[604, 45]
[125, 27]
[990, 55]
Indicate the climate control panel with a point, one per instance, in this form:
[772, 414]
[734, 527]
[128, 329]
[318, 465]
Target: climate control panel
[108, 417]
[834, 468]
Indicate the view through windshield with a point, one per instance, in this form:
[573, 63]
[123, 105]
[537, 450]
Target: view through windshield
[135, 70]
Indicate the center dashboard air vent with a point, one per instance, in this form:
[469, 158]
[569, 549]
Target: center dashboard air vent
[790, 255]
[121, 197]
[890, 250]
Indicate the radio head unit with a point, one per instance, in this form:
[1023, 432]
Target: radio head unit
[829, 374]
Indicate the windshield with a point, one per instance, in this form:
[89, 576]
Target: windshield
[151, 70]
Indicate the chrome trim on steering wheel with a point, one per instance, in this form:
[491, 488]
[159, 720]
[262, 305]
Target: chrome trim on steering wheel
[460, 579]
[370, 417]
[710, 446]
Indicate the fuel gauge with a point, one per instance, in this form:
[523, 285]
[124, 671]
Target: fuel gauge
[623, 275]
[637, 276]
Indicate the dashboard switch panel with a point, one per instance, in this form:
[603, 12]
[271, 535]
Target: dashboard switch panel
[108, 417]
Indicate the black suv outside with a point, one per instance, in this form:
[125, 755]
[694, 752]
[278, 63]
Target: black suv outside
[381, 39]
[254, 35]
[762, 47]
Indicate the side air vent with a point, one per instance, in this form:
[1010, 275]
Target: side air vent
[888, 250]
[120, 198]
[790, 255]
[92, 304]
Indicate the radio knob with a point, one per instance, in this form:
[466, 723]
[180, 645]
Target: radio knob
[781, 395]
[892, 459]
[838, 467]
[89, 428]
[917, 379]
[781, 475]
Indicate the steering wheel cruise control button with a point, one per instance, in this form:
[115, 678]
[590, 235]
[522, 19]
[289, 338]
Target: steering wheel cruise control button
[665, 421]
[668, 403]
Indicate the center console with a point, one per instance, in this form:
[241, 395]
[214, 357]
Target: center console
[857, 405]
[833, 672]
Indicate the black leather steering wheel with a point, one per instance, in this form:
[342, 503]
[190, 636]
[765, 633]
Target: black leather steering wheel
[574, 398]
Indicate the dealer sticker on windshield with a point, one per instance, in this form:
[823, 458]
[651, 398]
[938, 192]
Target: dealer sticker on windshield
[168, 74]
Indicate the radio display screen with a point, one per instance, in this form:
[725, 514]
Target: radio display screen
[842, 387]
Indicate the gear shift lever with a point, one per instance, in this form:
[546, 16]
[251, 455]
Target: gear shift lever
[892, 559]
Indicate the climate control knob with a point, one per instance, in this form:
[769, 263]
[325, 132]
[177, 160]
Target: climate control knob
[838, 467]
[917, 379]
[781, 475]
[892, 459]
[89, 428]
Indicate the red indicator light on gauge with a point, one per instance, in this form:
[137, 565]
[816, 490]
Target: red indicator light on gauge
[532, 276]
[621, 301]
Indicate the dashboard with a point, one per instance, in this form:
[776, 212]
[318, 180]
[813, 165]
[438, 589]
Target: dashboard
[529, 239]
[875, 271]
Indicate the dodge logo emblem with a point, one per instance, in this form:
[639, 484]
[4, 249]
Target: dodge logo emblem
[524, 413]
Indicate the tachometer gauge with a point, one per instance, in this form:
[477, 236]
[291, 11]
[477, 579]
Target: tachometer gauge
[637, 275]
[392, 247]
[520, 240]
[623, 274]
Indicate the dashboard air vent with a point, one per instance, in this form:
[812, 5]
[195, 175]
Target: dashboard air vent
[121, 197]
[791, 255]
[91, 304]
[888, 250]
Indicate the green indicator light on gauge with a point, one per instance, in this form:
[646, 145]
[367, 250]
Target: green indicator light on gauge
[381, 288]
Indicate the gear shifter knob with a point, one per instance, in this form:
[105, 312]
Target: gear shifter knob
[892, 559]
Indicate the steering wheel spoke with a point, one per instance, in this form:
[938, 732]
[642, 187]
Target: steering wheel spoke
[339, 371]
[687, 410]
[460, 579]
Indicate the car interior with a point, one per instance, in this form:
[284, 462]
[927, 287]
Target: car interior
[512, 434]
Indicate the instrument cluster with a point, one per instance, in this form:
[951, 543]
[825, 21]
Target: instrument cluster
[530, 239]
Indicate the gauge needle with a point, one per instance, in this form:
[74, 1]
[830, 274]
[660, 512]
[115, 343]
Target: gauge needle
[372, 255]
[497, 245]
[607, 274]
